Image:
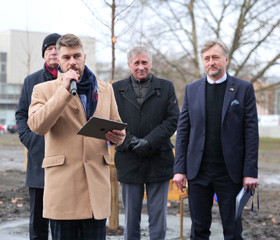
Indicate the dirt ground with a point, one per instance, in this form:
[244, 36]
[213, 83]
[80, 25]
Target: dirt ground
[14, 199]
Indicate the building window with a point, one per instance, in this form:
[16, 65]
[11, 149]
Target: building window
[3, 64]
[3, 57]
[3, 78]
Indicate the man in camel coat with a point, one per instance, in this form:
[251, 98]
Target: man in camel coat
[77, 174]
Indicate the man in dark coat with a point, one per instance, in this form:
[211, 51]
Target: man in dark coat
[38, 226]
[217, 143]
[145, 160]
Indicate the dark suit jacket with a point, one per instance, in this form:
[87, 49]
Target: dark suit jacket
[239, 130]
[34, 143]
[156, 121]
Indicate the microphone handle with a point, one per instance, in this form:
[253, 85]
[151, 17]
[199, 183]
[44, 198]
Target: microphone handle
[73, 87]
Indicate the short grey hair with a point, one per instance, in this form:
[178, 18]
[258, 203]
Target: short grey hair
[212, 42]
[138, 50]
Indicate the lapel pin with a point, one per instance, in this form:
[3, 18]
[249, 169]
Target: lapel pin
[231, 89]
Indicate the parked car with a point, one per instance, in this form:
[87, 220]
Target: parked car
[12, 127]
[2, 130]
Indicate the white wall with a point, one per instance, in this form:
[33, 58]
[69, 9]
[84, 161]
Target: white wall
[269, 126]
[18, 44]
[89, 49]
[22, 45]
[269, 132]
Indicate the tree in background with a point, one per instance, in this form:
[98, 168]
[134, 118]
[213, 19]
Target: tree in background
[119, 12]
[176, 29]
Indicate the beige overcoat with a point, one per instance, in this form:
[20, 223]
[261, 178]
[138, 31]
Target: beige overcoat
[77, 174]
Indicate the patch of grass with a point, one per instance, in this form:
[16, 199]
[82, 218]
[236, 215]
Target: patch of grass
[270, 160]
[269, 149]
[270, 145]
[270, 140]
[10, 140]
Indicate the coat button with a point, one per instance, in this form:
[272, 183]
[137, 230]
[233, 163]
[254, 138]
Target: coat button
[141, 113]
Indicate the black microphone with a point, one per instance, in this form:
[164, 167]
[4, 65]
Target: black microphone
[73, 87]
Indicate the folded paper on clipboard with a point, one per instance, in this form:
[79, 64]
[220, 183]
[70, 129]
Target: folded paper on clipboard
[241, 200]
[97, 127]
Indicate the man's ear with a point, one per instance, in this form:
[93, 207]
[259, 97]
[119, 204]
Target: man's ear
[128, 65]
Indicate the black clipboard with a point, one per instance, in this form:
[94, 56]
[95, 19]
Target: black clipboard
[97, 127]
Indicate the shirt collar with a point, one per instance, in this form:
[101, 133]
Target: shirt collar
[224, 78]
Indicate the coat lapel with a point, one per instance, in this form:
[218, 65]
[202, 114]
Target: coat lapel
[228, 95]
[155, 88]
[101, 96]
[127, 92]
[202, 94]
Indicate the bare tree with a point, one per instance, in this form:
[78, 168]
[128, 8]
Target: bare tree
[120, 13]
[28, 53]
[177, 29]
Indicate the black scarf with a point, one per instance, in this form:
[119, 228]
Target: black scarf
[87, 86]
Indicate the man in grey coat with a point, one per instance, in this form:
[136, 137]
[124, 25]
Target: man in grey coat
[38, 226]
[145, 160]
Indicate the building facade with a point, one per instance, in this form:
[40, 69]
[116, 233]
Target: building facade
[268, 98]
[21, 55]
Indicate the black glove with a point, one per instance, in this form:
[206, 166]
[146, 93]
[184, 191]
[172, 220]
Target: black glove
[142, 148]
[133, 142]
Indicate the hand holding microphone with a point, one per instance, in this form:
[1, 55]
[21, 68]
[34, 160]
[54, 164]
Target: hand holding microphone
[70, 79]
[73, 87]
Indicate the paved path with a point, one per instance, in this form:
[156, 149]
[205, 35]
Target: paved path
[18, 229]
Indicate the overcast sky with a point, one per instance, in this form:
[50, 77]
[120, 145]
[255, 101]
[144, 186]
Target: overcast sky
[61, 16]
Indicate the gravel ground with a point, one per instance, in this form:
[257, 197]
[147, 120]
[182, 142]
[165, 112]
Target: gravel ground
[14, 199]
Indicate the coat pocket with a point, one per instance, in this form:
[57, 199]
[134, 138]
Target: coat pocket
[166, 146]
[107, 159]
[53, 161]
